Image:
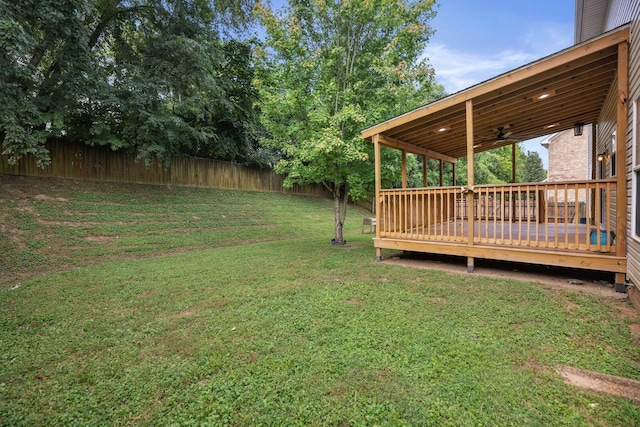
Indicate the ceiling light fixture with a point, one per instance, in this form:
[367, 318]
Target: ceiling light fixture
[543, 95]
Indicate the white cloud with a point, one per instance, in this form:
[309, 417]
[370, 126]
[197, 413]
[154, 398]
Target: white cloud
[457, 70]
[460, 68]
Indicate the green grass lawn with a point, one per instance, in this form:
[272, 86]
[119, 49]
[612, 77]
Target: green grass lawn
[142, 305]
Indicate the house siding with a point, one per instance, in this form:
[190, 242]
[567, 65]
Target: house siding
[619, 13]
[606, 127]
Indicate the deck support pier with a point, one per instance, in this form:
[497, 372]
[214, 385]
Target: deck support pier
[470, 266]
[378, 254]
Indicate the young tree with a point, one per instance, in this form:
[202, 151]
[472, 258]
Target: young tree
[533, 168]
[333, 67]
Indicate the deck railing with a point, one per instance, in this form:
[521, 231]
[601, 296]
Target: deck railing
[576, 215]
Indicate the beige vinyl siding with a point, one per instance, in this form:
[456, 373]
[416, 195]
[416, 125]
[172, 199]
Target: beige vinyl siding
[619, 13]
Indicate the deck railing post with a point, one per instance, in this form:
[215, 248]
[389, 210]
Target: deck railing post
[378, 178]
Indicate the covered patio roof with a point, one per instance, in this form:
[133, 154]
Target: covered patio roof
[540, 98]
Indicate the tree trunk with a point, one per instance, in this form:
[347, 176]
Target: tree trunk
[340, 203]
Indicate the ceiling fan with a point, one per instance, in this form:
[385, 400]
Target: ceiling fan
[503, 136]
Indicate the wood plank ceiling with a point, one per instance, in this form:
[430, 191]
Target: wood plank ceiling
[576, 81]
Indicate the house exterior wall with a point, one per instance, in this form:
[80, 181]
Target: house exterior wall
[620, 12]
[567, 160]
[568, 156]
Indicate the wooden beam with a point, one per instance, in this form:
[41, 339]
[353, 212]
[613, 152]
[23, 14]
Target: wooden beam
[404, 168]
[585, 261]
[513, 163]
[520, 74]
[378, 183]
[470, 173]
[425, 176]
[441, 173]
[401, 145]
[621, 145]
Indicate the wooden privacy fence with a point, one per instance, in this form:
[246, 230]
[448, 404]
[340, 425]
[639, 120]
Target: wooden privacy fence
[79, 161]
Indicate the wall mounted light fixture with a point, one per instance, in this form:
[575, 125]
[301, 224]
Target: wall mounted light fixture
[577, 128]
[603, 156]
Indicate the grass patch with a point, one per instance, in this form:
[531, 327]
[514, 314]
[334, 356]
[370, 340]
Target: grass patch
[294, 331]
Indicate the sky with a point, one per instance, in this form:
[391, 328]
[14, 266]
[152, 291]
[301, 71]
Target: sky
[476, 40]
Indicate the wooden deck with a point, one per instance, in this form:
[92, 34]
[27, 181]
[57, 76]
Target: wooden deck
[569, 224]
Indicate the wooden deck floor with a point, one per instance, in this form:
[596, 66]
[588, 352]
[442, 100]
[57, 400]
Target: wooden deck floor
[550, 235]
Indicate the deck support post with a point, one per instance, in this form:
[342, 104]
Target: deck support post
[425, 177]
[470, 264]
[453, 173]
[378, 184]
[513, 163]
[470, 178]
[404, 168]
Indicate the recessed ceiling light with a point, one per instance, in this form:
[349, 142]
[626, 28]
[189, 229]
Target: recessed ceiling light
[442, 129]
[552, 125]
[543, 95]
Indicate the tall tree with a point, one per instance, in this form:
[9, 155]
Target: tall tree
[332, 67]
[160, 76]
[533, 170]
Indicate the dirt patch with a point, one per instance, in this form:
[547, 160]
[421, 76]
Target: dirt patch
[49, 198]
[100, 239]
[593, 282]
[69, 223]
[601, 383]
[354, 301]
[188, 312]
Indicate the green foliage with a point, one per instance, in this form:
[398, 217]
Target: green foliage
[533, 170]
[330, 69]
[147, 75]
[494, 167]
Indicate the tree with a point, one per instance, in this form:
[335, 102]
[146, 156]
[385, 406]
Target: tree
[330, 69]
[158, 76]
[533, 170]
